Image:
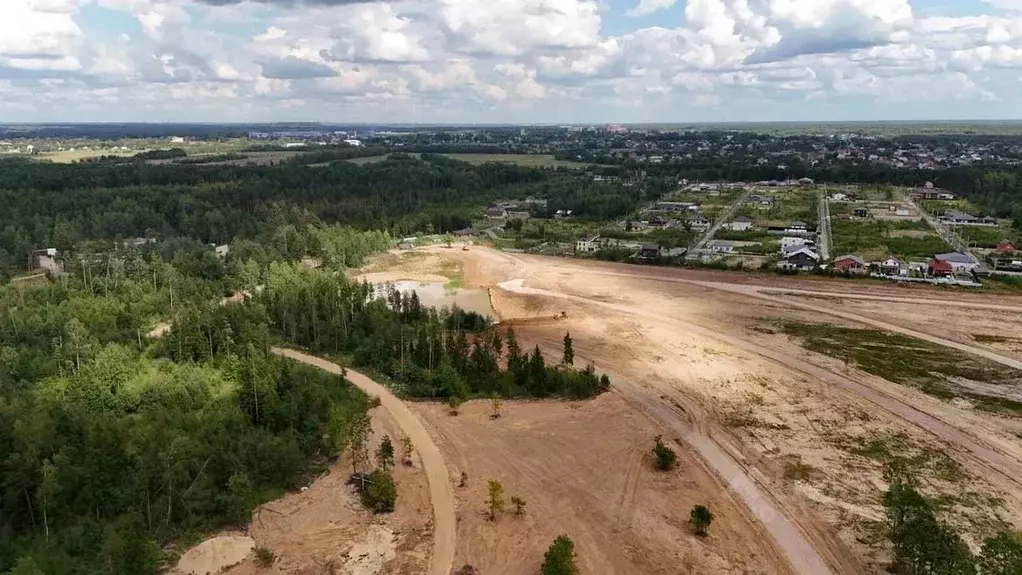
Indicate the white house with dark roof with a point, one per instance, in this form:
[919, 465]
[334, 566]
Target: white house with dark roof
[721, 246]
[740, 224]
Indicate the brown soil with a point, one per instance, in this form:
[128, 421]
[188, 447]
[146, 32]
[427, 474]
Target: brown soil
[325, 529]
[430, 521]
[803, 426]
[585, 470]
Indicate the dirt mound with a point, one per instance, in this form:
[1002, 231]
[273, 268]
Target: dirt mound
[215, 554]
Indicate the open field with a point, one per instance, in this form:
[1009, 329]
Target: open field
[792, 205]
[989, 236]
[688, 349]
[585, 469]
[532, 160]
[67, 156]
[874, 239]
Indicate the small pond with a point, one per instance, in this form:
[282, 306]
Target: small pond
[437, 294]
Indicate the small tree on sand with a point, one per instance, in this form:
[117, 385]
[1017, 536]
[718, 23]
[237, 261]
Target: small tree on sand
[454, 404]
[495, 406]
[560, 558]
[495, 499]
[569, 350]
[519, 504]
[358, 442]
[385, 454]
[406, 447]
[264, 557]
[665, 456]
[700, 519]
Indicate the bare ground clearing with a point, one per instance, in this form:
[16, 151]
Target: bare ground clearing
[812, 437]
[440, 492]
[585, 469]
[325, 529]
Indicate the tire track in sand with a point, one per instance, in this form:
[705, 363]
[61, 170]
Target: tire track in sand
[440, 492]
[787, 536]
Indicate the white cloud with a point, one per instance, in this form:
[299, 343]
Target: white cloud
[502, 60]
[649, 6]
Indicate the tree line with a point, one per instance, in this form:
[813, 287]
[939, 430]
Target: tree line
[424, 351]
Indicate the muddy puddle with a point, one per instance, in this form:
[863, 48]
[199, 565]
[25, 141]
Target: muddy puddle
[438, 294]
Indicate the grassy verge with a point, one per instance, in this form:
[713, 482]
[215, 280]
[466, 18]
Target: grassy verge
[935, 370]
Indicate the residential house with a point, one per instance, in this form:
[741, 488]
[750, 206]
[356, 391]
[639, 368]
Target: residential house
[561, 214]
[805, 181]
[958, 217]
[850, 264]
[649, 251]
[892, 267]
[677, 206]
[721, 246]
[860, 212]
[939, 268]
[496, 213]
[699, 223]
[958, 262]
[802, 258]
[588, 244]
[222, 250]
[636, 226]
[839, 197]
[792, 241]
[931, 193]
[464, 232]
[1005, 248]
[762, 202]
[740, 224]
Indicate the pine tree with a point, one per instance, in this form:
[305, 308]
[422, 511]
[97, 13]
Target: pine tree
[495, 498]
[569, 351]
[385, 454]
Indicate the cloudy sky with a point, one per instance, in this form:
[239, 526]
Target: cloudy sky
[509, 61]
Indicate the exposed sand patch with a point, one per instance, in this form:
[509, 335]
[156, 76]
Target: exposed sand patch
[215, 554]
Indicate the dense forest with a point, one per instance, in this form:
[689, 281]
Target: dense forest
[61, 205]
[110, 449]
[118, 442]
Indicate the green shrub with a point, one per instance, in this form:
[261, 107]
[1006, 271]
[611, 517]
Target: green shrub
[379, 493]
[665, 456]
[700, 519]
[264, 557]
[560, 557]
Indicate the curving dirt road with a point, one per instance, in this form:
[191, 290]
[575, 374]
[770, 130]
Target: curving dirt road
[441, 493]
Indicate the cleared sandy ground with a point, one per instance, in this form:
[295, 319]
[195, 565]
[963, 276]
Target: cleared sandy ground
[585, 469]
[804, 427]
[441, 498]
[325, 529]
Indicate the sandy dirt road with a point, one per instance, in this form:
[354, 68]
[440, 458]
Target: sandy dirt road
[441, 493]
[767, 294]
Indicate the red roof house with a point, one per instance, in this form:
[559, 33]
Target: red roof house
[1005, 248]
[939, 268]
[849, 263]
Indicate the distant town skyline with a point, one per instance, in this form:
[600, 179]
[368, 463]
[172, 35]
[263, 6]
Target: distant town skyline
[510, 61]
